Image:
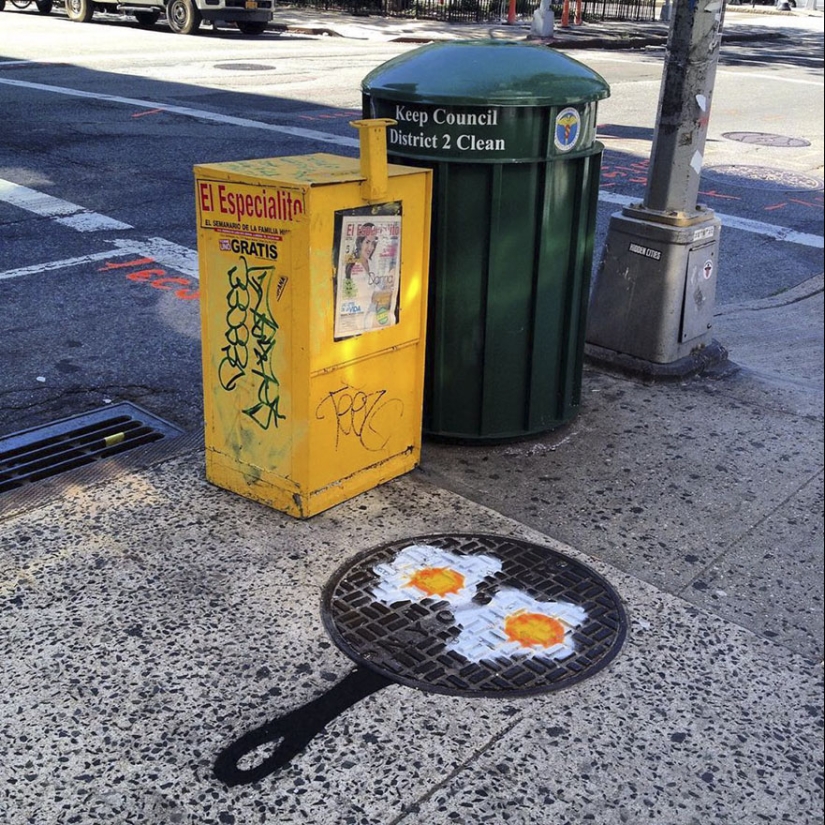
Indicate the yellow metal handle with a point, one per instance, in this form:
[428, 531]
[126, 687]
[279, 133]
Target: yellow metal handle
[373, 138]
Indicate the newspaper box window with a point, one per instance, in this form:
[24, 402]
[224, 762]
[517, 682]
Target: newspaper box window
[367, 274]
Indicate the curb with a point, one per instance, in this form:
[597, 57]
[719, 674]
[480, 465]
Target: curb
[626, 42]
[800, 292]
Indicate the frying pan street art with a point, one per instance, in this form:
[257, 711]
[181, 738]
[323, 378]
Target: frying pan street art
[464, 615]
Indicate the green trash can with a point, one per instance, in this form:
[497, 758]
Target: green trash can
[509, 130]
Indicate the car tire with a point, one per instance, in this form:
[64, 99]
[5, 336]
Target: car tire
[2, 4]
[147, 19]
[44, 6]
[183, 16]
[81, 11]
[247, 27]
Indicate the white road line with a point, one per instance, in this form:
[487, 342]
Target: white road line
[778, 77]
[770, 230]
[50, 266]
[200, 114]
[91, 222]
[69, 214]
[778, 233]
[735, 73]
[163, 252]
[166, 253]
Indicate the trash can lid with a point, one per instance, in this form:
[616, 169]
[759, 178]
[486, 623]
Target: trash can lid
[498, 72]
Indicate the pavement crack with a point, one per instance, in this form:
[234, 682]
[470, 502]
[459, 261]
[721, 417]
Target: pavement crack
[413, 809]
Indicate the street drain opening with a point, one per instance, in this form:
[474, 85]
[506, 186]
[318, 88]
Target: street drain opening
[32, 455]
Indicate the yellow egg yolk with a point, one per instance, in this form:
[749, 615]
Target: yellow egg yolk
[437, 581]
[531, 629]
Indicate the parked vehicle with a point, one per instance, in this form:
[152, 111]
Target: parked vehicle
[43, 6]
[183, 16]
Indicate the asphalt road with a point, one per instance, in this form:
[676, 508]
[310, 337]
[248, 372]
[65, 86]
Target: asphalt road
[102, 124]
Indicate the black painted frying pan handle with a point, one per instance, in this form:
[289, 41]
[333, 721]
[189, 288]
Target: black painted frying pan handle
[296, 729]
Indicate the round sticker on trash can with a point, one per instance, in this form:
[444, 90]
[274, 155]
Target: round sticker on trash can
[568, 127]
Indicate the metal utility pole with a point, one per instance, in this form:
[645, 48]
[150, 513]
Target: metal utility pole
[654, 294]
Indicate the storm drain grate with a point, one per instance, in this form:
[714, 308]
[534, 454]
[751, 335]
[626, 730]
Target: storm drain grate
[42, 452]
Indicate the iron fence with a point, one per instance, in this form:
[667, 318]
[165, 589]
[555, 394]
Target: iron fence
[478, 11]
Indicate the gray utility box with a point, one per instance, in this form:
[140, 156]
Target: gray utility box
[655, 289]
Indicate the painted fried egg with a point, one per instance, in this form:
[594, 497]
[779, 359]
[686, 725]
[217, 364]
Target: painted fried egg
[515, 625]
[422, 571]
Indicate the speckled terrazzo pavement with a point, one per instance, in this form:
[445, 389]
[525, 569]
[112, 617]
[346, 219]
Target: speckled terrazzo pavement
[149, 621]
[711, 489]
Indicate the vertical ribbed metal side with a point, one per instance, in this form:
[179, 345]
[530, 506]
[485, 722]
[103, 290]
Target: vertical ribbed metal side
[512, 252]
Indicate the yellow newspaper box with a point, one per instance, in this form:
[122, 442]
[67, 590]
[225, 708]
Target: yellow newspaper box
[313, 277]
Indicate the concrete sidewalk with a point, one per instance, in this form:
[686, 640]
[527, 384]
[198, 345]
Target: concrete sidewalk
[149, 619]
[742, 23]
[401, 30]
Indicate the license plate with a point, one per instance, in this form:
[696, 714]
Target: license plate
[251, 4]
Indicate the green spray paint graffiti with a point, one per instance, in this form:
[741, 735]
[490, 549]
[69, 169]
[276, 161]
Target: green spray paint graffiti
[250, 323]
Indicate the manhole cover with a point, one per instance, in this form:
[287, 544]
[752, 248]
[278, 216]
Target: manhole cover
[474, 615]
[468, 615]
[761, 177]
[766, 139]
[246, 67]
[41, 452]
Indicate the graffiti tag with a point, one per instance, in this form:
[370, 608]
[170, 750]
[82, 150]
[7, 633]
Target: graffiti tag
[367, 417]
[249, 322]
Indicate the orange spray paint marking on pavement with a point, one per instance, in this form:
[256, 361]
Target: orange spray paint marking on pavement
[156, 278]
[124, 264]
